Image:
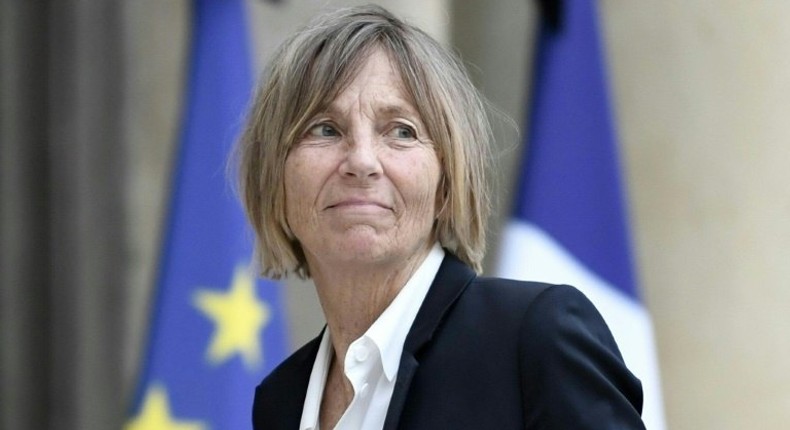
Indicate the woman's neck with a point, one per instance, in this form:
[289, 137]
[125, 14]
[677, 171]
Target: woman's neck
[353, 297]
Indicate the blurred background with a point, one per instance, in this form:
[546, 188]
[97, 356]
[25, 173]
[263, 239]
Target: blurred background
[91, 97]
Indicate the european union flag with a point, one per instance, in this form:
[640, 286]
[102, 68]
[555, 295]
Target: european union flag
[569, 224]
[216, 331]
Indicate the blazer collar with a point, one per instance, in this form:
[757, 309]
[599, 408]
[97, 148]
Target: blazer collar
[451, 280]
[291, 383]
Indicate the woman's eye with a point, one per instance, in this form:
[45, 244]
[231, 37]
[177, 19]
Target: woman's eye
[322, 130]
[403, 132]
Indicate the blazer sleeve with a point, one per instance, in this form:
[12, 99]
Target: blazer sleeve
[572, 373]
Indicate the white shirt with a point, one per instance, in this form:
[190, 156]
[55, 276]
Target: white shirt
[372, 361]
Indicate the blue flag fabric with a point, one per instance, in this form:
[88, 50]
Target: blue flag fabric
[569, 223]
[570, 181]
[216, 330]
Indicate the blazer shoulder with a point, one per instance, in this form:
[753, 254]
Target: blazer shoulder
[511, 292]
[557, 312]
[572, 374]
[530, 304]
[537, 299]
[280, 396]
[572, 367]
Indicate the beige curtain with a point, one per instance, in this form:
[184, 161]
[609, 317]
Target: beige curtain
[63, 239]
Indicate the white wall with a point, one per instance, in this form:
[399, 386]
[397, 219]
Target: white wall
[703, 94]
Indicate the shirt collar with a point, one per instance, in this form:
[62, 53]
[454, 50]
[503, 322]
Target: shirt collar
[389, 331]
[315, 388]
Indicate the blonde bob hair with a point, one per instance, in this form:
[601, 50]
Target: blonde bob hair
[308, 72]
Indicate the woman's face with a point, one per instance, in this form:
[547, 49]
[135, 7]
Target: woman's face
[361, 183]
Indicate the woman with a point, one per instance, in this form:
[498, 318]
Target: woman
[363, 167]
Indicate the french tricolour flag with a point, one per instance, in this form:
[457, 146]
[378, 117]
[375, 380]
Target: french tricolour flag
[569, 224]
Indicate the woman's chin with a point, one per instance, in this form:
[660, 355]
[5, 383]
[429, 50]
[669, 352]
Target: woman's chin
[361, 247]
[364, 245]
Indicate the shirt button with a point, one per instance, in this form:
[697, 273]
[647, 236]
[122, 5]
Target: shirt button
[364, 390]
[361, 354]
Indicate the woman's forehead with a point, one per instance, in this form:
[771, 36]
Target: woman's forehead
[376, 86]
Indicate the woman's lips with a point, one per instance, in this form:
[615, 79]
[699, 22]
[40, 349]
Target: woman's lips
[359, 204]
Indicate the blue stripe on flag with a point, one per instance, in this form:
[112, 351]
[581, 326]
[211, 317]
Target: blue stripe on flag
[569, 183]
[216, 331]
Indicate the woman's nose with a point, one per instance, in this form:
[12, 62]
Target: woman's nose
[362, 158]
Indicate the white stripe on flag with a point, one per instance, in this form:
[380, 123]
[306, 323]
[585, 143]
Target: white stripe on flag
[528, 253]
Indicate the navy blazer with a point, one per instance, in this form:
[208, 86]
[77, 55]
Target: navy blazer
[487, 353]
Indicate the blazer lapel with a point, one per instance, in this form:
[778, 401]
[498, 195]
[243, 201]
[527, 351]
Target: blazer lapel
[451, 280]
[293, 377]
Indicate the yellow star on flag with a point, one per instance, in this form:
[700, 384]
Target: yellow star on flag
[238, 316]
[155, 414]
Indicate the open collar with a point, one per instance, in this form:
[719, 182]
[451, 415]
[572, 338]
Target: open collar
[452, 279]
